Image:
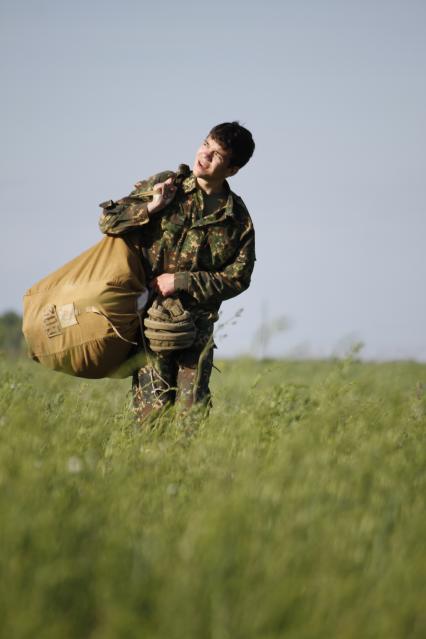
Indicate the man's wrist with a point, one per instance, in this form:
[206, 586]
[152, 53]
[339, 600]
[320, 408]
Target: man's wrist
[150, 209]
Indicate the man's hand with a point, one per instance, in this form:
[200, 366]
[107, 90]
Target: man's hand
[166, 192]
[164, 284]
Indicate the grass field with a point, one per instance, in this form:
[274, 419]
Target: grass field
[296, 510]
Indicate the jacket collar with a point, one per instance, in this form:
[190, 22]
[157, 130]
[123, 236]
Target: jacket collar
[189, 185]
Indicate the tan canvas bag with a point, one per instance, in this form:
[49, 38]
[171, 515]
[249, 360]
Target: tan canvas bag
[83, 318]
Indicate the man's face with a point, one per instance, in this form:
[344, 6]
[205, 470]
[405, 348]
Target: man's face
[212, 161]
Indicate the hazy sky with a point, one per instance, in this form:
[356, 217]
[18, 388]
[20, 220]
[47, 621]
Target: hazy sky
[96, 95]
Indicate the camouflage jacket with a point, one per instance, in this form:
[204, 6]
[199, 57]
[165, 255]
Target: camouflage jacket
[212, 255]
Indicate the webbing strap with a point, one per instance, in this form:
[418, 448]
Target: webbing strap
[94, 309]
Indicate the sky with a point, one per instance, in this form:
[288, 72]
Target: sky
[99, 94]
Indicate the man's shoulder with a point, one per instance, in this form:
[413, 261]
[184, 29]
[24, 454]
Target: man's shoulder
[162, 176]
[148, 183]
[182, 172]
[240, 210]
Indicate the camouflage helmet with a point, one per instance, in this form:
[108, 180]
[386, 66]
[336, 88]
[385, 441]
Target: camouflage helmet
[168, 327]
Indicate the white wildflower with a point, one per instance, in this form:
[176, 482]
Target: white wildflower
[172, 490]
[74, 465]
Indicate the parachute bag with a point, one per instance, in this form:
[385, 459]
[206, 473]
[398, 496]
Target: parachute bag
[84, 318]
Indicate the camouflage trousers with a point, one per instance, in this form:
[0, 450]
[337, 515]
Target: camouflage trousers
[180, 378]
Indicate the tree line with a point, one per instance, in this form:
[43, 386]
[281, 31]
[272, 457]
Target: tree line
[11, 339]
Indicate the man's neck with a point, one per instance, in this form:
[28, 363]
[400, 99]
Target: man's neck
[210, 187]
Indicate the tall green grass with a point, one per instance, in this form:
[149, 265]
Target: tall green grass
[296, 509]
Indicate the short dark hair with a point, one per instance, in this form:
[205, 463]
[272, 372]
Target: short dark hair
[235, 138]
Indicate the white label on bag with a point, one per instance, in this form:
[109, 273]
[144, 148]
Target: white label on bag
[66, 315]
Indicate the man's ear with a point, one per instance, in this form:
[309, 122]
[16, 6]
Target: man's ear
[233, 170]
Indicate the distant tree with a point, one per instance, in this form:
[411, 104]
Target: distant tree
[267, 330]
[11, 338]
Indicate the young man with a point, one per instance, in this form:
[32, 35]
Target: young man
[196, 241]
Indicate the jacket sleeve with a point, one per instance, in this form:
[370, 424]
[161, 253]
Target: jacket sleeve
[217, 286]
[129, 213]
